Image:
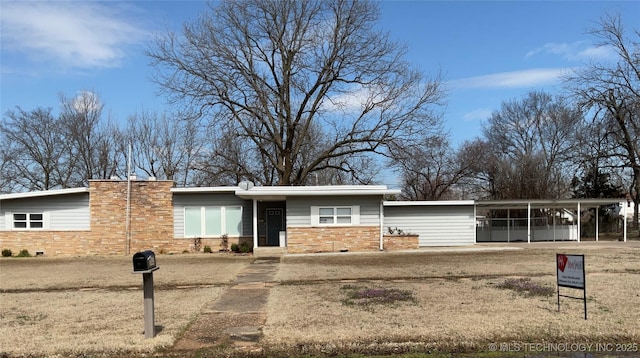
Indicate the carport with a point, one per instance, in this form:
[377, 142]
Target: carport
[560, 204]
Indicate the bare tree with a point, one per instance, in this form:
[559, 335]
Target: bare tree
[164, 147]
[612, 91]
[33, 150]
[433, 170]
[528, 146]
[92, 147]
[8, 174]
[273, 71]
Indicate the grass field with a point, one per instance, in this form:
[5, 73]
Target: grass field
[458, 305]
[93, 305]
[70, 306]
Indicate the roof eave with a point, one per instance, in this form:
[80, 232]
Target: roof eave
[41, 193]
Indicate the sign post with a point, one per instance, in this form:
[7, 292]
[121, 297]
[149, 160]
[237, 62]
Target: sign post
[570, 273]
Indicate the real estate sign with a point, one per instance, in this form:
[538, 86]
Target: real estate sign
[570, 271]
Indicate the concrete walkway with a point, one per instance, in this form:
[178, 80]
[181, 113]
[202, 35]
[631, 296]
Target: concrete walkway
[236, 318]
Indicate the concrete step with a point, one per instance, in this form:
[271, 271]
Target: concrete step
[269, 251]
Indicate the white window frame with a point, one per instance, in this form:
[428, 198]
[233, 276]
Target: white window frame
[29, 221]
[355, 215]
[203, 220]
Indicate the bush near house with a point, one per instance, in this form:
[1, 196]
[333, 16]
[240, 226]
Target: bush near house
[7, 253]
[24, 253]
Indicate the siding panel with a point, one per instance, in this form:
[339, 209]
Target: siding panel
[299, 208]
[436, 225]
[66, 212]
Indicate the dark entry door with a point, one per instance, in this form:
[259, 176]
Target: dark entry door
[275, 224]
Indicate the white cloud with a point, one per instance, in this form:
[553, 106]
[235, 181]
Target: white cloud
[477, 114]
[79, 34]
[514, 79]
[575, 51]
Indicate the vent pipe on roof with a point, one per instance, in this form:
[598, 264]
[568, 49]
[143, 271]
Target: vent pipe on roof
[245, 185]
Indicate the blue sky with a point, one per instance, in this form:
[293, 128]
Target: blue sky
[488, 52]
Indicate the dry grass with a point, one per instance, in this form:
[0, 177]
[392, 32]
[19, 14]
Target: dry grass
[480, 261]
[95, 304]
[51, 273]
[458, 303]
[75, 306]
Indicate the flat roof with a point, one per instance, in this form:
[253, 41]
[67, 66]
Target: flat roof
[546, 203]
[35, 194]
[429, 203]
[203, 190]
[281, 192]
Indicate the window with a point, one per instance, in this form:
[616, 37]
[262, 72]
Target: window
[28, 221]
[335, 215]
[210, 221]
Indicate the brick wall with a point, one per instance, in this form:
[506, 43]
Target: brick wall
[332, 239]
[50, 242]
[400, 242]
[151, 223]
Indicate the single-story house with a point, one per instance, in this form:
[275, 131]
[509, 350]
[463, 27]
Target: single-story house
[125, 216]
[122, 217]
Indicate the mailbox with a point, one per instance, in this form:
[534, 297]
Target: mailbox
[144, 261]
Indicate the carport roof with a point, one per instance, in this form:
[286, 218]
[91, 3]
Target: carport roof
[546, 203]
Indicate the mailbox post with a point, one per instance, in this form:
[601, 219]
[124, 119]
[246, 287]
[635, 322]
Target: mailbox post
[145, 263]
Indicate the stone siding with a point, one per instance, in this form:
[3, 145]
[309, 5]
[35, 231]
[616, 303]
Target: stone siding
[151, 224]
[400, 242]
[332, 239]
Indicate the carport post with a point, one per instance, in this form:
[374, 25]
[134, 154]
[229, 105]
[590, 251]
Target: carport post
[624, 222]
[255, 224]
[508, 224]
[597, 209]
[555, 211]
[578, 221]
[529, 222]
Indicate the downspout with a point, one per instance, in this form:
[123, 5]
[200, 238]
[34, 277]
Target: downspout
[382, 225]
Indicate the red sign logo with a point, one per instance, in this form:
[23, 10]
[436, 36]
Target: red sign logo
[562, 262]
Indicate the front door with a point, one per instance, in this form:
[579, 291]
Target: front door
[275, 224]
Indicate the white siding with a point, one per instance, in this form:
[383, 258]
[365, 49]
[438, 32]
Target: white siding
[210, 199]
[299, 208]
[445, 225]
[68, 212]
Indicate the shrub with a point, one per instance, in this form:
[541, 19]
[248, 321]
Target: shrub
[24, 253]
[7, 253]
[235, 248]
[197, 244]
[224, 242]
[207, 249]
[245, 248]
